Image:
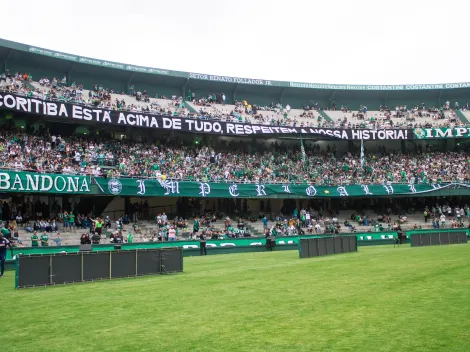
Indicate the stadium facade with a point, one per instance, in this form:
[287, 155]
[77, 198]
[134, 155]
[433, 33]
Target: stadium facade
[112, 196]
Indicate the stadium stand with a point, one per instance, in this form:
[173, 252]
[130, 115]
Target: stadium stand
[44, 145]
[41, 151]
[242, 112]
[150, 231]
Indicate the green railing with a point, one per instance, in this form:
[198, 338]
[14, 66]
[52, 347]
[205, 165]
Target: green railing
[231, 242]
[418, 232]
[364, 238]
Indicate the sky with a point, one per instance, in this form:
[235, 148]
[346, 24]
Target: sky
[335, 41]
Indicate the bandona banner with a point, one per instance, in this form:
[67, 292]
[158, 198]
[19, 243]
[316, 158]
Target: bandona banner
[75, 113]
[11, 181]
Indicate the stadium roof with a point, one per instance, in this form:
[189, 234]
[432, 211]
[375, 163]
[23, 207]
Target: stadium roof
[64, 61]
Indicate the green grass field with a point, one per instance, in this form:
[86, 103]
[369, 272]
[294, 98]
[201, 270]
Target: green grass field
[379, 299]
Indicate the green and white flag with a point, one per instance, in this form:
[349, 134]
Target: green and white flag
[302, 149]
[362, 153]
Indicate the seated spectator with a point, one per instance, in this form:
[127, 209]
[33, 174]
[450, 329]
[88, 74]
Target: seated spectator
[85, 239]
[19, 219]
[58, 240]
[107, 222]
[96, 238]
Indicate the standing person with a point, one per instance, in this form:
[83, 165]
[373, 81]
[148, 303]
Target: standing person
[269, 240]
[4, 243]
[65, 218]
[172, 234]
[458, 215]
[195, 226]
[202, 243]
[119, 224]
[44, 239]
[130, 237]
[98, 225]
[303, 219]
[401, 237]
[443, 220]
[265, 222]
[107, 223]
[435, 223]
[72, 222]
[34, 239]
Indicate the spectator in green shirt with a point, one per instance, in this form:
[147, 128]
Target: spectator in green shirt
[5, 232]
[44, 240]
[196, 225]
[72, 221]
[34, 240]
[130, 238]
[65, 217]
[98, 226]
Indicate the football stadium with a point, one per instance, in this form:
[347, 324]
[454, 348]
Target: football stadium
[149, 209]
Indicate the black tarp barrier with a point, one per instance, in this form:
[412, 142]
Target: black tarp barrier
[61, 268]
[438, 238]
[314, 247]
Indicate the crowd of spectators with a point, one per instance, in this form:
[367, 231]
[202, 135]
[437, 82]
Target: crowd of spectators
[298, 222]
[98, 156]
[98, 96]
[274, 114]
[213, 106]
[311, 221]
[419, 116]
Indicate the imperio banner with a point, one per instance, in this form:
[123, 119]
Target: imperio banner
[441, 133]
[152, 187]
[73, 113]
